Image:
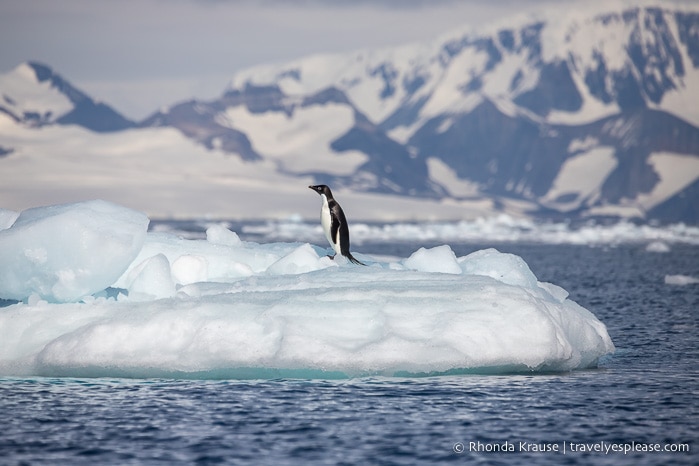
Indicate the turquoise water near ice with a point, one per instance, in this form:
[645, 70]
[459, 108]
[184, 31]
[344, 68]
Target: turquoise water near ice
[644, 396]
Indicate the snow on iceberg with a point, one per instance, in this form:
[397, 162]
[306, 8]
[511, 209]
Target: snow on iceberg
[224, 308]
[64, 252]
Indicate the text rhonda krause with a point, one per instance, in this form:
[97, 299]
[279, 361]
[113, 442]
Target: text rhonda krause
[576, 447]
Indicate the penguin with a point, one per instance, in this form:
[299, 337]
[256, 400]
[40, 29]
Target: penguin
[334, 223]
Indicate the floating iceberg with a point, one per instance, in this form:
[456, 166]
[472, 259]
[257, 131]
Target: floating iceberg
[657, 246]
[224, 308]
[680, 280]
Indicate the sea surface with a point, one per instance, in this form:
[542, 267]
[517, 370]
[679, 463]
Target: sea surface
[644, 397]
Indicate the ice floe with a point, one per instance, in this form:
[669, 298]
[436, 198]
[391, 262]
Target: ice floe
[154, 304]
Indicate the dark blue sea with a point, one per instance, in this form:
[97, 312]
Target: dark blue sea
[640, 407]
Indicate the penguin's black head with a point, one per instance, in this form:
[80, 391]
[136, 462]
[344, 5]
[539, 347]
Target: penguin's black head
[322, 189]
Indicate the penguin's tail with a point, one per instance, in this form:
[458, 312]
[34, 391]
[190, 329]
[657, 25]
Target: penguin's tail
[353, 260]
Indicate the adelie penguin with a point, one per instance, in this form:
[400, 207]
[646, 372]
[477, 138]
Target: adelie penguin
[334, 223]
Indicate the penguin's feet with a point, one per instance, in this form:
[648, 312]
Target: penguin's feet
[332, 257]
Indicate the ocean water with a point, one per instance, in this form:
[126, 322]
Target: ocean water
[644, 397]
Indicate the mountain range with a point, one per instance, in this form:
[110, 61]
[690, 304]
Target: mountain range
[558, 117]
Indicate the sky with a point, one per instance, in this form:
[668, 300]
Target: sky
[141, 55]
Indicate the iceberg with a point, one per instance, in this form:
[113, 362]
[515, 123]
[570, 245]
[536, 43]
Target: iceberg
[64, 252]
[680, 280]
[220, 307]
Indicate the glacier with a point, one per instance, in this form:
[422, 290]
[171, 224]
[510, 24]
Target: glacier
[220, 307]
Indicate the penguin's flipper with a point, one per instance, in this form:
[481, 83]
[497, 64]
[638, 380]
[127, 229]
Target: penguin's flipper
[335, 228]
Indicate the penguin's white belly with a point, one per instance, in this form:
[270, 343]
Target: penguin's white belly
[326, 221]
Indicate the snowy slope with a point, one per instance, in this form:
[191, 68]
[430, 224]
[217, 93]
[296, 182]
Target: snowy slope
[167, 175]
[299, 143]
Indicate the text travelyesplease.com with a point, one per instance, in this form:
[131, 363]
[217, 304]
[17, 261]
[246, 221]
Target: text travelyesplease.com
[570, 447]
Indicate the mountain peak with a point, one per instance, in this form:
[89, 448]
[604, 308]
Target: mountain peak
[35, 95]
[41, 71]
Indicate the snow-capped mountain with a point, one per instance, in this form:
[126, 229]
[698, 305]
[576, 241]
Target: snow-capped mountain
[575, 116]
[35, 95]
[582, 115]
